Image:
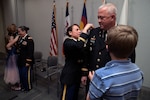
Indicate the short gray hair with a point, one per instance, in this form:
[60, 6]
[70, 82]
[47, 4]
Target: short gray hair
[111, 8]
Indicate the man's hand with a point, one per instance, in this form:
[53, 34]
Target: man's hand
[88, 97]
[91, 74]
[27, 65]
[83, 80]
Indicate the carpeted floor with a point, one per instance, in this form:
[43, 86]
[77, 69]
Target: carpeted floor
[39, 91]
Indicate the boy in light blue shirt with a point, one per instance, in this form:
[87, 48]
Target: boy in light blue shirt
[120, 79]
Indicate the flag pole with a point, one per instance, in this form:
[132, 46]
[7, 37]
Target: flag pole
[103, 1]
[53, 36]
[72, 15]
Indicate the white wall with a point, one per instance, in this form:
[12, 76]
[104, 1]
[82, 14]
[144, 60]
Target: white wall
[139, 18]
[36, 14]
[20, 12]
[9, 7]
[8, 12]
[38, 18]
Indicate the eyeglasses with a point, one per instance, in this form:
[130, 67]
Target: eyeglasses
[103, 17]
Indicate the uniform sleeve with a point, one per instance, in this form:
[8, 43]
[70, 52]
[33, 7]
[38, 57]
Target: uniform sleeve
[30, 51]
[132, 56]
[82, 40]
[83, 37]
[75, 45]
[85, 68]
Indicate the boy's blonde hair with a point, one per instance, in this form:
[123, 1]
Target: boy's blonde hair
[122, 40]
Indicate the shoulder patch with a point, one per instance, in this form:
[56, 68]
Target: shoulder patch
[29, 37]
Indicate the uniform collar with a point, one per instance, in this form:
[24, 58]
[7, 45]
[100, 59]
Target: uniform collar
[114, 63]
[116, 24]
[24, 36]
[73, 38]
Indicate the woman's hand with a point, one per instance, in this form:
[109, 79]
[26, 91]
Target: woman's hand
[87, 27]
[12, 41]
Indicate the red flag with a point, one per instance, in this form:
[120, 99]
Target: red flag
[83, 21]
[53, 38]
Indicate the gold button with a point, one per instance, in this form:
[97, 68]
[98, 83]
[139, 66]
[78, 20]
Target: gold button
[98, 60]
[90, 48]
[97, 66]
[100, 53]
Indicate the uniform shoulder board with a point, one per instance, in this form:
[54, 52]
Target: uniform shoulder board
[29, 37]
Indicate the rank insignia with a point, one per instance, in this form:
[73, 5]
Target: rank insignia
[24, 43]
[92, 40]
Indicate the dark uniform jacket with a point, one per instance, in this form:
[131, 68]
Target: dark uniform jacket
[96, 55]
[73, 50]
[25, 51]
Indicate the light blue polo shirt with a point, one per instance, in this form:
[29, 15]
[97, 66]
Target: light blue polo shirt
[118, 80]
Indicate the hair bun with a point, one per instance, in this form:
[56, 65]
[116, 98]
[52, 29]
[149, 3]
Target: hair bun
[25, 28]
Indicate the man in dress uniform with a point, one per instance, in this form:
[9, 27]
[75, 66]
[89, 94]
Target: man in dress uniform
[96, 53]
[25, 57]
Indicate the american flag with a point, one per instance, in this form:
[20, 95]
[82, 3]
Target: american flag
[53, 38]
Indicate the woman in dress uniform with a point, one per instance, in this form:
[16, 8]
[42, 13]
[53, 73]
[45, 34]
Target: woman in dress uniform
[73, 51]
[25, 57]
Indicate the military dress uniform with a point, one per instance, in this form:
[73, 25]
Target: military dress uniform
[96, 54]
[25, 61]
[71, 73]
